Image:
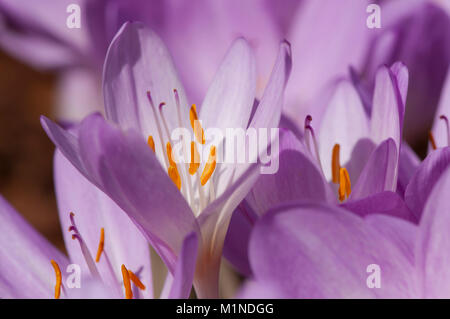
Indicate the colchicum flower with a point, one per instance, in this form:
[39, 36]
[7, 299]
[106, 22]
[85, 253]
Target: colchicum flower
[353, 158]
[111, 255]
[133, 163]
[321, 251]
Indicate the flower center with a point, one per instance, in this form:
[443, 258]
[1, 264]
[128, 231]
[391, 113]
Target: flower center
[184, 176]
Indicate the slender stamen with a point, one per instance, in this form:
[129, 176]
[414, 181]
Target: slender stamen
[151, 143]
[84, 249]
[310, 130]
[335, 164]
[344, 185]
[308, 120]
[135, 279]
[445, 119]
[158, 127]
[180, 124]
[195, 159]
[432, 141]
[101, 245]
[209, 167]
[196, 125]
[126, 283]
[58, 279]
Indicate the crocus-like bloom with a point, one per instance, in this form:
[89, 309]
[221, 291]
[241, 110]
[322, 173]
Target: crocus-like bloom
[133, 163]
[112, 257]
[357, 152]
[319, 251]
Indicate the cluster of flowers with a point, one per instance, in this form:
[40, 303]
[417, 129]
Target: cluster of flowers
[349, 191]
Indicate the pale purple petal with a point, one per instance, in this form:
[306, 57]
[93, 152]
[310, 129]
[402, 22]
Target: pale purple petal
[124, 243]
[433, 251]
[124, 167]
[315, 251]
[210, 27]
[138, 62]
[25, 268]
[236, 241]
[380, 172]
[229, 99]
[298, 178]
[423, 181]
[387, 203]
[388, 108]
[440, 130]
[344, 122]
[408, 164]
[185, 267]
[324, 47]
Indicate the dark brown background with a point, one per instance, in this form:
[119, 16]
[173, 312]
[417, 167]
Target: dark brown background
[26, 153]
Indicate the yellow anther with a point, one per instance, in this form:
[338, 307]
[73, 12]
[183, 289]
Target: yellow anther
[345, 187]
[101, 245]
[172, 170]
[432, 141]
[169, 154]
[209, 167]
[136, 280]
[151, 142]
[126, 283]
[335, 164]
[174, 176]
[58, 279]
[195, 159]
[196, 125]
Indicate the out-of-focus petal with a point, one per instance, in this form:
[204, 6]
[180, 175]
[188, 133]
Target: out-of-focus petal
[407, 166]
[380, 172]
[419, 188]
[433, 253]
[387, 203]
[297, 178]
[440, 133]
[320, 57]
[41, 36]
[216, 24]
[332, 249]
[236, 242]
[25, 268]
[388, 108]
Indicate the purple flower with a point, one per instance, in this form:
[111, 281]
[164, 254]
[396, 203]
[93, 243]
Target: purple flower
[100, 239]
[353, 158]
[321, 251]
[146, 101]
